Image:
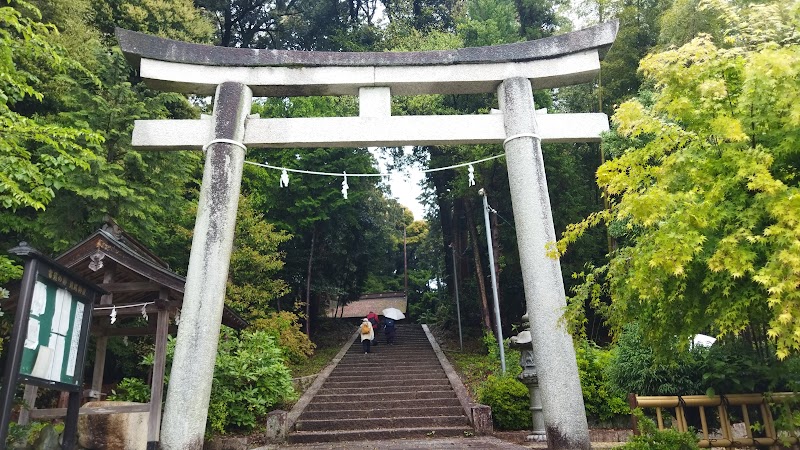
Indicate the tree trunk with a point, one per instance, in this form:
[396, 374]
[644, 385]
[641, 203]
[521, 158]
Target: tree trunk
[440, 182]
[308, 282]
[227, 28]
[473, 233]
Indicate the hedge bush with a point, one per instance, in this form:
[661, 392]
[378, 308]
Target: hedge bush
[250, 378]
[510, 402]
[604, 405]
[285, 327]
[651, 438]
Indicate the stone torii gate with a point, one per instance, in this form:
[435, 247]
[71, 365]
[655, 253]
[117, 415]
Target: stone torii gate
[235, 75]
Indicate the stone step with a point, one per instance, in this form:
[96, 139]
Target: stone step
[386, 404]
[377, 410]
[420, 347]
[415, 382]
[385, 375]
[394, 348]
[358, 356]
[395, 392]
[380, 391]
[386, 383]
[373, 361]
[381, 422]
[370, 363]
[381, 357]
[377, 434]
[323, 398]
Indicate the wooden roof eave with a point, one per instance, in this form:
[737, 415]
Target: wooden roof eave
[103, 242]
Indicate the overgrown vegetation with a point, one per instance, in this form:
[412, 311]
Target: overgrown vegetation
[250, 378]
[730, 366]
[509, 399]
[703, 189]
[605, 406]
[21, 436]
[479, 367]
[651, 438]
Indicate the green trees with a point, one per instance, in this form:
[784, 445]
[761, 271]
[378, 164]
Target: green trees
[38, 155]
[83, 105]
[704, 192]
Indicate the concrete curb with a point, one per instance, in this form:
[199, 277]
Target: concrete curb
[455, 381]
[309, 394]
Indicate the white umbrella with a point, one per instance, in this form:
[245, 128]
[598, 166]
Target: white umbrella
[701, 340]
[393, 313]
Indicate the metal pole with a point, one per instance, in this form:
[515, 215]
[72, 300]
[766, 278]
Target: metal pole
[17, 339]
[458, 305]
[405, 264]
[494, 281]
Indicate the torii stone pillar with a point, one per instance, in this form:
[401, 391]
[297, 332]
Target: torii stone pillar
[189, 389]
[562, 400]
[233, 72]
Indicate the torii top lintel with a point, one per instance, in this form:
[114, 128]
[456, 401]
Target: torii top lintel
[555, 61]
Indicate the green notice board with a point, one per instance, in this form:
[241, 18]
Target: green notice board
[53, 349]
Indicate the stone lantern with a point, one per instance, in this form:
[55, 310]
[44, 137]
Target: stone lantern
[529, 377]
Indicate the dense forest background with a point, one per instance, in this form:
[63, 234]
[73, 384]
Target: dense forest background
[68, 100]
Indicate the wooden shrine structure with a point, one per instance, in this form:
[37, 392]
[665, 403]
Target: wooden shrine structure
[139, 284]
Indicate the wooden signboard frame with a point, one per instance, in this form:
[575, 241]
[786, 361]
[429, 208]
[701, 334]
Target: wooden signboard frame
[49, 339]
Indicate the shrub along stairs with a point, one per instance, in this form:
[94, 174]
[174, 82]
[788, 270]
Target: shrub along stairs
[396, 391]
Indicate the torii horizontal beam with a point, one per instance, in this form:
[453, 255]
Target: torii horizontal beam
[390, 131]
[177, 66]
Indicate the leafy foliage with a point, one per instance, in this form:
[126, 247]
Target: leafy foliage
[651, 438]
[284, 327]
[634, 368]
[603, 403]
[249, 379]
[255, 263]
[131, 390]
[173, 19]
[24, 436]
[493, 350]
[730, 366]
[705, 187]
[37, 155]
[509, 399]
[740, 365]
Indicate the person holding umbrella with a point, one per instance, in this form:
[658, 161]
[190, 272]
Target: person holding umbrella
[390, 315]
[367, 334]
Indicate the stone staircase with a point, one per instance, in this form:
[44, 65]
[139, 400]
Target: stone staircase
[397, 391]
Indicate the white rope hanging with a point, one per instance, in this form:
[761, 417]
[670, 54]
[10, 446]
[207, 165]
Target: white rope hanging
[382, 174]
[284, 178]
[113, 308]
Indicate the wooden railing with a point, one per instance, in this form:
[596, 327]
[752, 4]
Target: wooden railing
[754, 412]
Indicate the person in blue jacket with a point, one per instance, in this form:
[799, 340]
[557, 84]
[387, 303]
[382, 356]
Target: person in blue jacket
[389, 330]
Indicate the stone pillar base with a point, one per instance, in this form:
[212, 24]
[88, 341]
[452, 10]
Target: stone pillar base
[536, 437]
[482, 420]
[277, 426]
